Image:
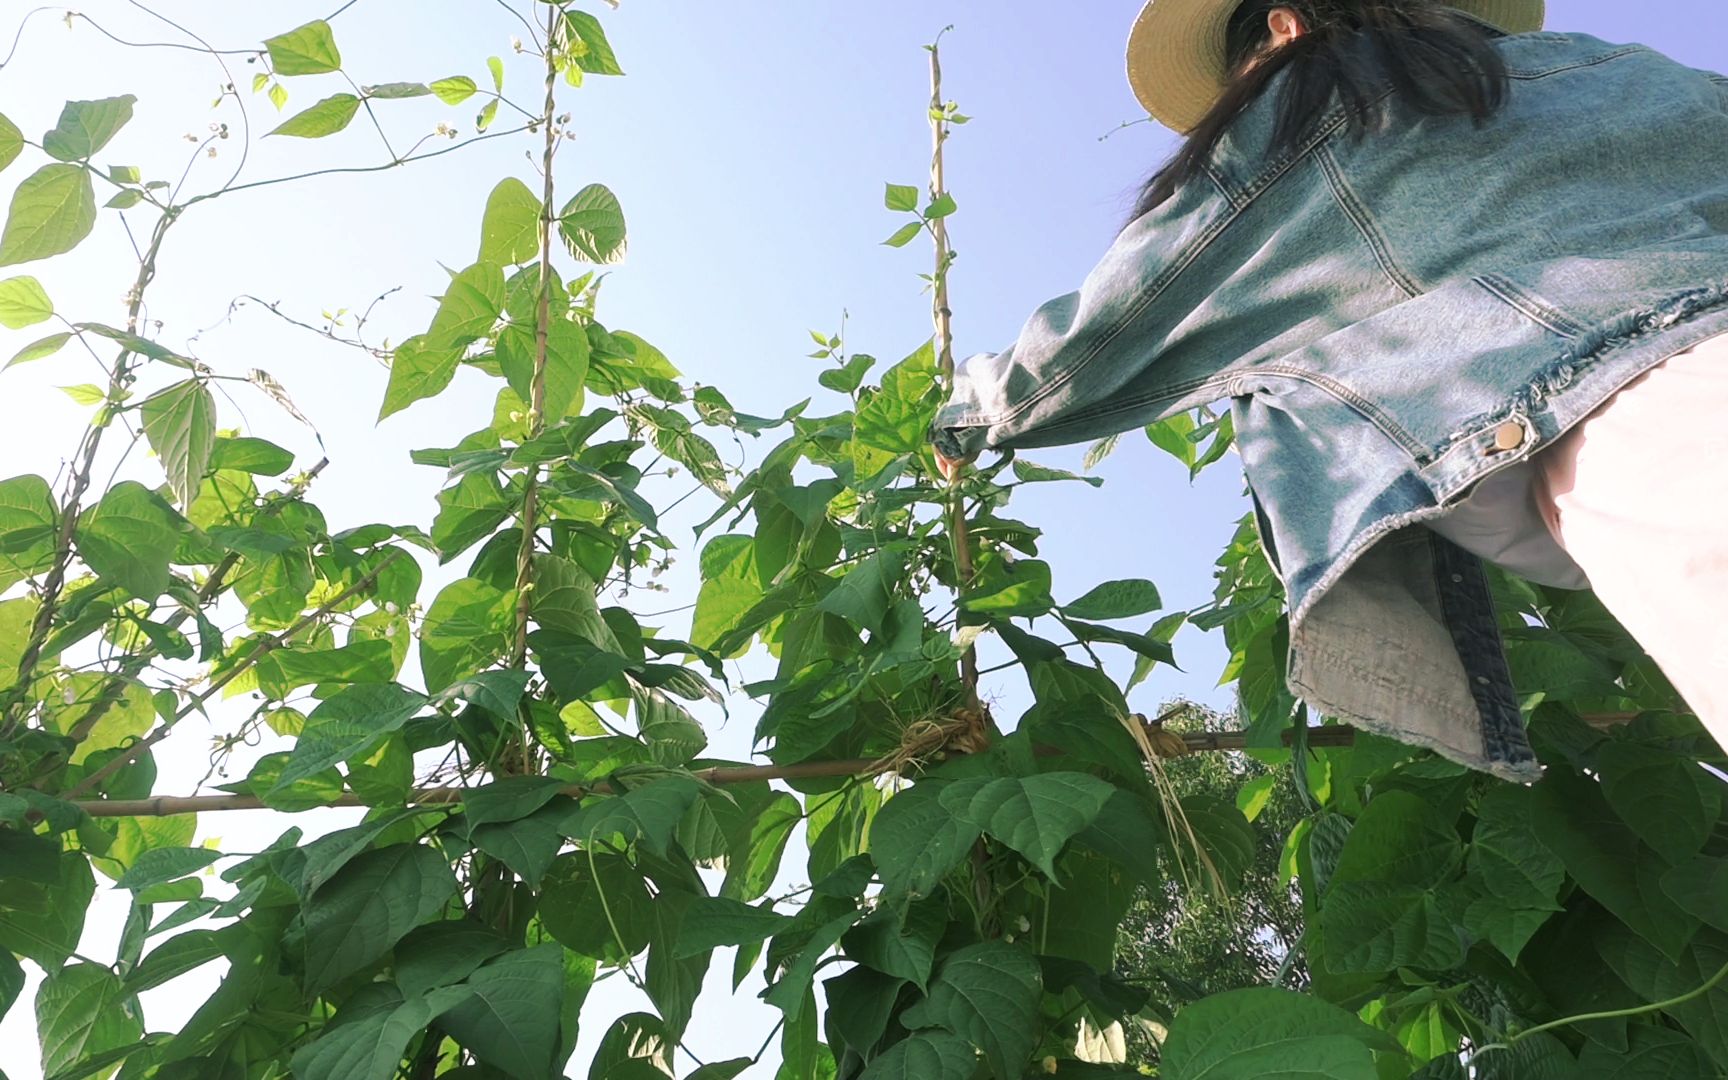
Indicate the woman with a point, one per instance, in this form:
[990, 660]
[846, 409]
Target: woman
[1465, 285]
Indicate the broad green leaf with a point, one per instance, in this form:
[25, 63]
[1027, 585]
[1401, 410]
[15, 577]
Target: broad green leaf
[1223, 833]
[715, 921]
[468, 307]
[454, 90]
[1700, 887]
[365, 661]
[81, 1012]
[368, 906]
[757, 847]
[178, 955]
[1653, 977]
[988, 995]
[11, 981]
[635, 1047]
[900, 940]
[129, 538]
[586, 44]
[52, 212]
[1506, 855]
[469, 511]
[1020, 589]
[1030, 472]
[567, 354]
[1652, 1053]
[1115, 600]
[901, 197]
[925, 1055]
[1400, 840]
[510, 1018]
[509, 799]
[648, 814]
[1375, 926]
[905, 234]
[586, 895]
[11, 142]
[864, 594]
[29, 521]
[327, 117]
[85, 393]
[349, 724]
[86, 126]
[395, 91]
[160, 865]
[370, 1047]
[36, 350]
[848, 377]
[592, 224]
[1034, 815]
[917, 838]
[48, 929]
[1606, 858]
[442, 953]
[940, 207]
[467, 627]
[1270, 1034]
[255, 456]
[305, 50]
[23, 302]
[575, 667]
[510, 230]
[180, 423]
[1666, 798]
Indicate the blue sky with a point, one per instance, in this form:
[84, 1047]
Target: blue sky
[749, 146]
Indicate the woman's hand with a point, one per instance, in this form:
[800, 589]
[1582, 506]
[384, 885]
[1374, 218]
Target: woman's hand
[951, 468]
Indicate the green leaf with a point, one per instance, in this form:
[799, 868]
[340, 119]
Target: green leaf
[365, 661]
[900, 941]
[86, 126]
[305, 50]
[1005, 590]
[52, 212]
[496, 67]
[178, 955]
[1034, 815]
[468, 512]
[489, 111]
[1373, 926]
[371, 1047]
[1400, 839]
[327, 117]
[418, 370]
[159, 865]
[255, 456]
[714, 921]
[510, 230]
[586, 44]
[1223, 832]
[1667, 799]
[1700, 886]
[349, 724]
[585, 894]
[454, 90]
[129, 537]
[635, 1047]
[1652, 1053]
[180, 423]
[925, 1055]
[901, 197]
[1506, 855]
[1265, 1033]
[1575, 822]
[11, 142]
[468, 307]
[23, 302]
[29, 522]
[649, 814]
[592, 224]
[916, 839]
[36, 350]
[1116, 600]
[509, 799]
[81, 1012]
[867, 590]
[510, 1019]
[85, 393]
[1030, 472]
[48, 931]
[395, 91]
[368, 906]
[988, 995]
[442, 953]
[905, 234]
[467, 627]
[942, 206]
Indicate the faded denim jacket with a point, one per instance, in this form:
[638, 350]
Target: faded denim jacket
[1394, 319]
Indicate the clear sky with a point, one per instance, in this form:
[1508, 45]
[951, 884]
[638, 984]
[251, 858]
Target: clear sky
[748, 145]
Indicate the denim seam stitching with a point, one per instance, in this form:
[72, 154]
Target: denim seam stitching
[1532, 74]
[1547, 316]
[1358, 214]
[1374, 414]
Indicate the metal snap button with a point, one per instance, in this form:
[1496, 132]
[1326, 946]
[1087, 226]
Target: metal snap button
[1509, 436]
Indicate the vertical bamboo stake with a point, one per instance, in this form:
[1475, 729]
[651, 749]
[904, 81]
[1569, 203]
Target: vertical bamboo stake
[943, 318]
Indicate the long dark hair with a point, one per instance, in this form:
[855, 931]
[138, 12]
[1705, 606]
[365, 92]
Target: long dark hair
[1436, 60]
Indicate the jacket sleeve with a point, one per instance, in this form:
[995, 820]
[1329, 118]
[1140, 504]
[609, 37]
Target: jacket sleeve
[1721, 83]
[1054, 383]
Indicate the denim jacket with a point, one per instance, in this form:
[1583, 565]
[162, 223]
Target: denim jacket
[1393, 319]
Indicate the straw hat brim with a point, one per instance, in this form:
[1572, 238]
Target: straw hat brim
[1176, 60]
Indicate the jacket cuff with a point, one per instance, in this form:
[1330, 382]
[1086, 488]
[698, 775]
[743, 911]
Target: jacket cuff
[953, 437]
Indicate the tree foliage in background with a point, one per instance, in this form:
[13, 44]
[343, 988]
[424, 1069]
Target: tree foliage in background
[527, 741]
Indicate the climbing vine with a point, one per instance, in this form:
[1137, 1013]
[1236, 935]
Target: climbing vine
[528, 743]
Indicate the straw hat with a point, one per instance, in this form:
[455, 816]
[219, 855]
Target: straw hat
[1176, 52]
